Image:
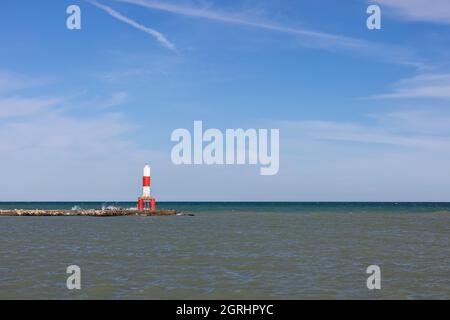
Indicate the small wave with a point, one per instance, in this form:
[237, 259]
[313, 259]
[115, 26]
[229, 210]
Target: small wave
[110, 208]
[76, 208]
[106, 206]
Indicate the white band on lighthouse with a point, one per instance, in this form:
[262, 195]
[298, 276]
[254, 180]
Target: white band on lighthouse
[147, 171]
[146, 192]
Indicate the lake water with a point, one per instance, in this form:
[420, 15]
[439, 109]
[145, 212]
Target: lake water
[230, 251]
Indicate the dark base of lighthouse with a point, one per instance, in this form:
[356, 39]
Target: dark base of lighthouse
[146, 204]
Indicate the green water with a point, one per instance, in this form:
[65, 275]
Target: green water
[230, 251]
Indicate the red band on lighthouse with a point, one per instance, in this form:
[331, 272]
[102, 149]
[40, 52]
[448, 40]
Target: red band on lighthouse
[146, 182]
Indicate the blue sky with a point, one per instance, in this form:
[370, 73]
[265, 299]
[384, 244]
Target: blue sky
[363, 114]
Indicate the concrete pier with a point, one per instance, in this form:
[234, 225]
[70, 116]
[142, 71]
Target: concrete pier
[87, 213]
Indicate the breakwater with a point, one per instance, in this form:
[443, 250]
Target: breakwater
[87, 213]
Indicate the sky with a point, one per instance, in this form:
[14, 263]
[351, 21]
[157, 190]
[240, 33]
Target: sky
[363, 114]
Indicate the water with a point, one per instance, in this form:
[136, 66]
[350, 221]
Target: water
[230, 251]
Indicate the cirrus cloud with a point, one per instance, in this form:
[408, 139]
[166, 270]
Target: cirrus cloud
[437, 11]
[154, 33]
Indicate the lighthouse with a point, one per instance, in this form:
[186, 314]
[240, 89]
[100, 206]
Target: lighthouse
[146, 202]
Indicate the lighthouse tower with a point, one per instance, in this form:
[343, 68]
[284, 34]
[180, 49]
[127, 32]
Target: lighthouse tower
[146, 202]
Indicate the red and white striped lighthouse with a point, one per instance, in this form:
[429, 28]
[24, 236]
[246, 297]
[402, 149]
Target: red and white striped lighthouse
[146, 182]
[146, 202]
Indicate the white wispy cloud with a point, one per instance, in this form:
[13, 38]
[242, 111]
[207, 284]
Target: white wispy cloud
[420, 86]
[61, 132]
[20, 106]
[425, 121]
[13, 104]
[156, 34]
[437, 11]
[10, 81]
[417, 129]
[116, 99]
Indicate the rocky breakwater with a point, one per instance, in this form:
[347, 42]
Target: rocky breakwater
[87, 213]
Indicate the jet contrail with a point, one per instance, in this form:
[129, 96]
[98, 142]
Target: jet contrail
[158, 35]
[318, 39]
[237, 19]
